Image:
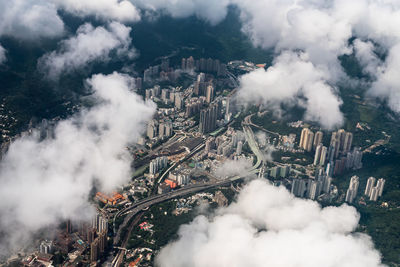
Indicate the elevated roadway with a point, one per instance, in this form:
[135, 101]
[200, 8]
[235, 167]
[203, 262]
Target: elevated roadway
[139, 206]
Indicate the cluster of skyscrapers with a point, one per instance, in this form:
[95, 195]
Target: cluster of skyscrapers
[338, 155]
[203, 65]
[157, 164]
[163, 72]
[193, 106]
[46, 247]
[353, 189]
[162, 129]
[308, 141]
[97, 237]
[223, 146]
[279, 172]
[312, 188]
[179, 176]
[167, 96]
[374, 191]
[209, 116]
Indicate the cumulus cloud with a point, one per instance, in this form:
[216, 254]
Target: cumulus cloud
[365, 54]
[43, 181]
[267, 226]
[30, 19]
[387, 84]
[35, 19]
[2, 55]
[231, 168]
[321, 29]
[123, 11]
[89, 44]
[294, 80]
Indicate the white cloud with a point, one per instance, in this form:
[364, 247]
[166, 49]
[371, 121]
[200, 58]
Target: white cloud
[29, 19]
[231, 168]
[45, 181]
[294, 80]
[2, 55]
[89, 44]
[123, 11]
[387, 84]
[364, 52]
[32, 20]
[321, 29]
[267, 226]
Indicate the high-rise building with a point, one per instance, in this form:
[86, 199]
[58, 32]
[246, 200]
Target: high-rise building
[190, 63]
[357, 154]
[201, 77]
[329, 169]
[341, 135]
[306, 139]
[161, 132]
[327, 184]
[370, 185]
[165, 94]
[208, 118]
[158, 164]
[353, 189]
[303, 137]
[228, 106]
[94, 250]
[380, 184]
[210, 144]
[178, 100]
[309, 143]
[99, 223]
[91, 234]
[275, 172]
[168, 128]
[285, 170]
[333, 137]
[147, 75]
[317, 155]
[299, 187]
[374, 192]
[342, 142]
[314, 189]
[46, 247]
[334, 147]
[152, 129]
[322, 159]
[210, 94]
[139, 83]
[373, 196]
[348, 139]
[102, 241]
[68, 226]
[317, 139]
[340, 166]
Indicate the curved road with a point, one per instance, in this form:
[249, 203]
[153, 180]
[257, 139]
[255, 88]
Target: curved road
[146, 203]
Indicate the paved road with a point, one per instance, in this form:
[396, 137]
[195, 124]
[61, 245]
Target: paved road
[248, 121]
[137, 207]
